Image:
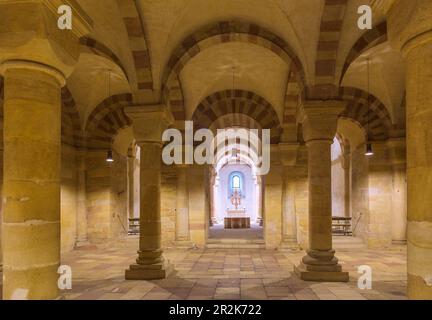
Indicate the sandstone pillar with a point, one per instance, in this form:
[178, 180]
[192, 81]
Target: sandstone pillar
[31, 222]
[182, 212]
[81, 200]
[148, 123]
[319, 119]
[131, 182]
[1, 205]
[346, 166]
[410, 29]
[288, 154]
[35, 58]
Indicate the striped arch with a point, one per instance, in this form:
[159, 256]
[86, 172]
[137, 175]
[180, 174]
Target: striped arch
[138, 44]
[235, 120]
[360, 104]
[292, 98]
[228, 31]
[369, 39]
[100, 49]
[328, 45]
[70, 123]
[106, 120]
[233, 102]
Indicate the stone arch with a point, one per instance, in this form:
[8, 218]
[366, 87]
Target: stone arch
[100, 49]
[229, 31]
[369, 39]
[327, 50]
[237, 102]
[71, 122]
[368, 111]
[106, 120]
[138, 43]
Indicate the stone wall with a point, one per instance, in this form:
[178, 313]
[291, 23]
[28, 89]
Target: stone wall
[119, 217]
[380, 197]
[360, 193]
[68, 198]
[198, 204]
[106, 196]
[168, 205]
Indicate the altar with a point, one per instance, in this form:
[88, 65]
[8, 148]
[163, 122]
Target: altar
[236, 218]
[237, 223]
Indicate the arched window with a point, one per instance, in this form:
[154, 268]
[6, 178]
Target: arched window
[236, 183]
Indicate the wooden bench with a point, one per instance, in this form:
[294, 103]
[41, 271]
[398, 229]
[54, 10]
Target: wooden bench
[134, 224]
[341, 226]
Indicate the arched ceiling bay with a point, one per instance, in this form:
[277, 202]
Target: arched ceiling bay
[350, 32]
[109, 29]
[387, 77]
[255, 69]
[168, 22]
[94, 79]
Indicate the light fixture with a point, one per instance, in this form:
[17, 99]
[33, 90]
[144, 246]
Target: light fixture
[109, 157]
[369, 151]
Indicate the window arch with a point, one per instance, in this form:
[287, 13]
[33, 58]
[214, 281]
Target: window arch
[236, 182]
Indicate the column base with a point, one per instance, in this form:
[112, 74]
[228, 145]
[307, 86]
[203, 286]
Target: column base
[149, 272]
[321, 266]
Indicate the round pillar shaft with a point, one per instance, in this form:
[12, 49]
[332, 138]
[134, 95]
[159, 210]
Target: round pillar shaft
[32, 146]
[319, 155]
[419, 170]
[150, 251]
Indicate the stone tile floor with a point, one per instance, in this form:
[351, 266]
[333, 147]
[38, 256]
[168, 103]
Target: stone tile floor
[98, 273]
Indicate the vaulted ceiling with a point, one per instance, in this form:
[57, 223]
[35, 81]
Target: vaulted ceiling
[182, 51]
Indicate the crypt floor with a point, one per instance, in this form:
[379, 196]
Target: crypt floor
[98, 273]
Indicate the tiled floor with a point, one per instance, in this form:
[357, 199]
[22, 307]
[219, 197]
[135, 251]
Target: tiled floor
[230, 274]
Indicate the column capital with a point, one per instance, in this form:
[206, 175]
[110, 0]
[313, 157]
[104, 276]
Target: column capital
[149, 122]
[29, 31]
[409, 23]
[319, 118]
[29, 65]
[288, 153]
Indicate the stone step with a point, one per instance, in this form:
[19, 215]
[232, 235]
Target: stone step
[235, 244]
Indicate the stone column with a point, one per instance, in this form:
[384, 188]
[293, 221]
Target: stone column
[182, 212]
[81, 239]
[1, 203]
[212, 219]
[131, 182]
[319, 119]
[35, 58]
[148, 124]
[288, 154]
[31, 222]
[346, 161]
[410, 30]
